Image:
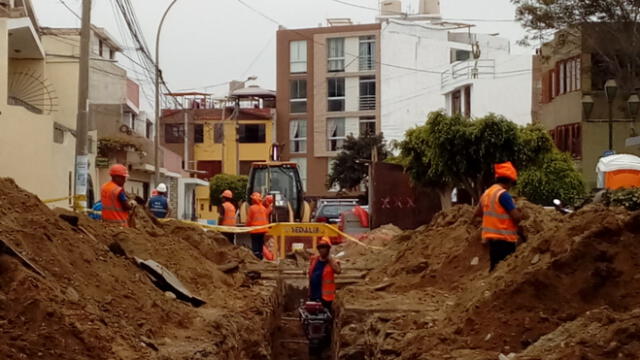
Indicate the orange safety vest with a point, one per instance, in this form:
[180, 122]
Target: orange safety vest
[258, 217]
[112, 210]
[229, 215]
[328, 279]
[497, 224]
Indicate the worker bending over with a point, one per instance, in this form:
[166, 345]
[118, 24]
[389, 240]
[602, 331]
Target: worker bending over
[227, 213]
[257, 217]
[159, 204]
[500, 217]
[115, 204]
[322, 270]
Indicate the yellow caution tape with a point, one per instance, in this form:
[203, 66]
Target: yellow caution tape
[48, 201]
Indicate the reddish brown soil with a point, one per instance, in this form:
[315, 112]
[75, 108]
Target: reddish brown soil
[92, 304]
[439, 303]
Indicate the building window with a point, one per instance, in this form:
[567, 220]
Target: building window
[149, 130]
[252, 134]
[567, 76]
[174, 133]
[301, 163]
[100, 47]
[460, 55]
[90, 144]
[367, 93]
[198, 133]
[58, 134]
[336, 187]
[112, 54]
[298, 98]
[245, 166]
[467, 101]
[298, 136]
[218, 133]
[367, 125]
[298, 56]
[456, 102]
[367, 52]
[336, 94]
[336, 133]
[568, 138]
[335, 54]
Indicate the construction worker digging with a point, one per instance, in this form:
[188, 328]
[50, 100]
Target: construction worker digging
[227, 211]
[159, 204]
[500, 217]
[115, 203]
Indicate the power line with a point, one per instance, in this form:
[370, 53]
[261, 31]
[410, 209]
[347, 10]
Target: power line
[260, 13]
[70, 9]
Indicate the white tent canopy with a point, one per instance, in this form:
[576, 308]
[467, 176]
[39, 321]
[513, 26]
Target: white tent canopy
[615, 163]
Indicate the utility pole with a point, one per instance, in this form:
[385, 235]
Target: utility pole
[82, 120]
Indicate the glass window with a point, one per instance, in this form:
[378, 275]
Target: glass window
[298, 98]
[198, 133]
[335, 55]
[302, 170]
[174, 133]
[335, 133]
[367, 52]
[252, 134]
[336, 94]
[298, 136]
[298, 56]
[367, 93]
[218, 133]
[58, 134]
[367, 125]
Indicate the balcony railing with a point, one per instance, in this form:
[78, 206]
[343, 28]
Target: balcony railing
[367, 102]
[366, 63]
[468, 70]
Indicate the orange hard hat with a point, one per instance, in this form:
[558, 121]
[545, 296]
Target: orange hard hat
[256, 196]
[325, 241]
[227, 194]
[118, 170]
[506, 170]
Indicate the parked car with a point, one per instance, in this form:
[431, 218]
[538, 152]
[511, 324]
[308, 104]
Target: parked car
[329, 210]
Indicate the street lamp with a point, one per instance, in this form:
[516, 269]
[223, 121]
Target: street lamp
[587, 105]
[611, 89]
[156, 163]
[634, 105]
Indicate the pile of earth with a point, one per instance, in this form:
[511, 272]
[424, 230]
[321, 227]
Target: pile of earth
[86, 298]
[576, 275]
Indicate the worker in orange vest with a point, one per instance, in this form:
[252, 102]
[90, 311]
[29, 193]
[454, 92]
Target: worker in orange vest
[322, 270]
[227, 212]
[500, 217]
[257, 217]
[115, 203]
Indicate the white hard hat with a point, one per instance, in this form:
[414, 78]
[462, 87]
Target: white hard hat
[162, 188]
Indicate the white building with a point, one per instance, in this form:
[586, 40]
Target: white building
[429, 64]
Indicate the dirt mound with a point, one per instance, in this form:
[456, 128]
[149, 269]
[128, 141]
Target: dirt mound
[92, 304]
[569, 266]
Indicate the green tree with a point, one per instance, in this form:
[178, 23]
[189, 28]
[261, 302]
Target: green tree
[453, 151]
[349, 170]
[221, 182]
[553, 177]
[607, 28]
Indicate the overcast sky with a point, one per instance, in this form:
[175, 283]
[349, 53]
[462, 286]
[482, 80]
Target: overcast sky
[206, 42]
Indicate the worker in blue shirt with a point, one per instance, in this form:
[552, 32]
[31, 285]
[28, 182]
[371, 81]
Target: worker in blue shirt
[158, 204]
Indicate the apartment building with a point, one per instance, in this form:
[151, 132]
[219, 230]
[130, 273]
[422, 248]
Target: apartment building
[570, 100]
[328, 88]
[224, 136]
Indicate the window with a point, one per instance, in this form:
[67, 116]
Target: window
[298, 56]
[58, 134]
[456, 102]
[149, 130]
[245, 166]
[90, 144]
[301, 162]
[567, 76]
[112, 54]
[198, 133]
[252, 134]
[568, 138]
[467, 101]
[367, 93]
[218, 133]
[298, 136]
[335, 133]
[335, 187]
[367, 125]
[335, 50]
[336, 94]
[298, 98]
[100, 47]
[367, 52]
[460, 55]
[174, 133]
